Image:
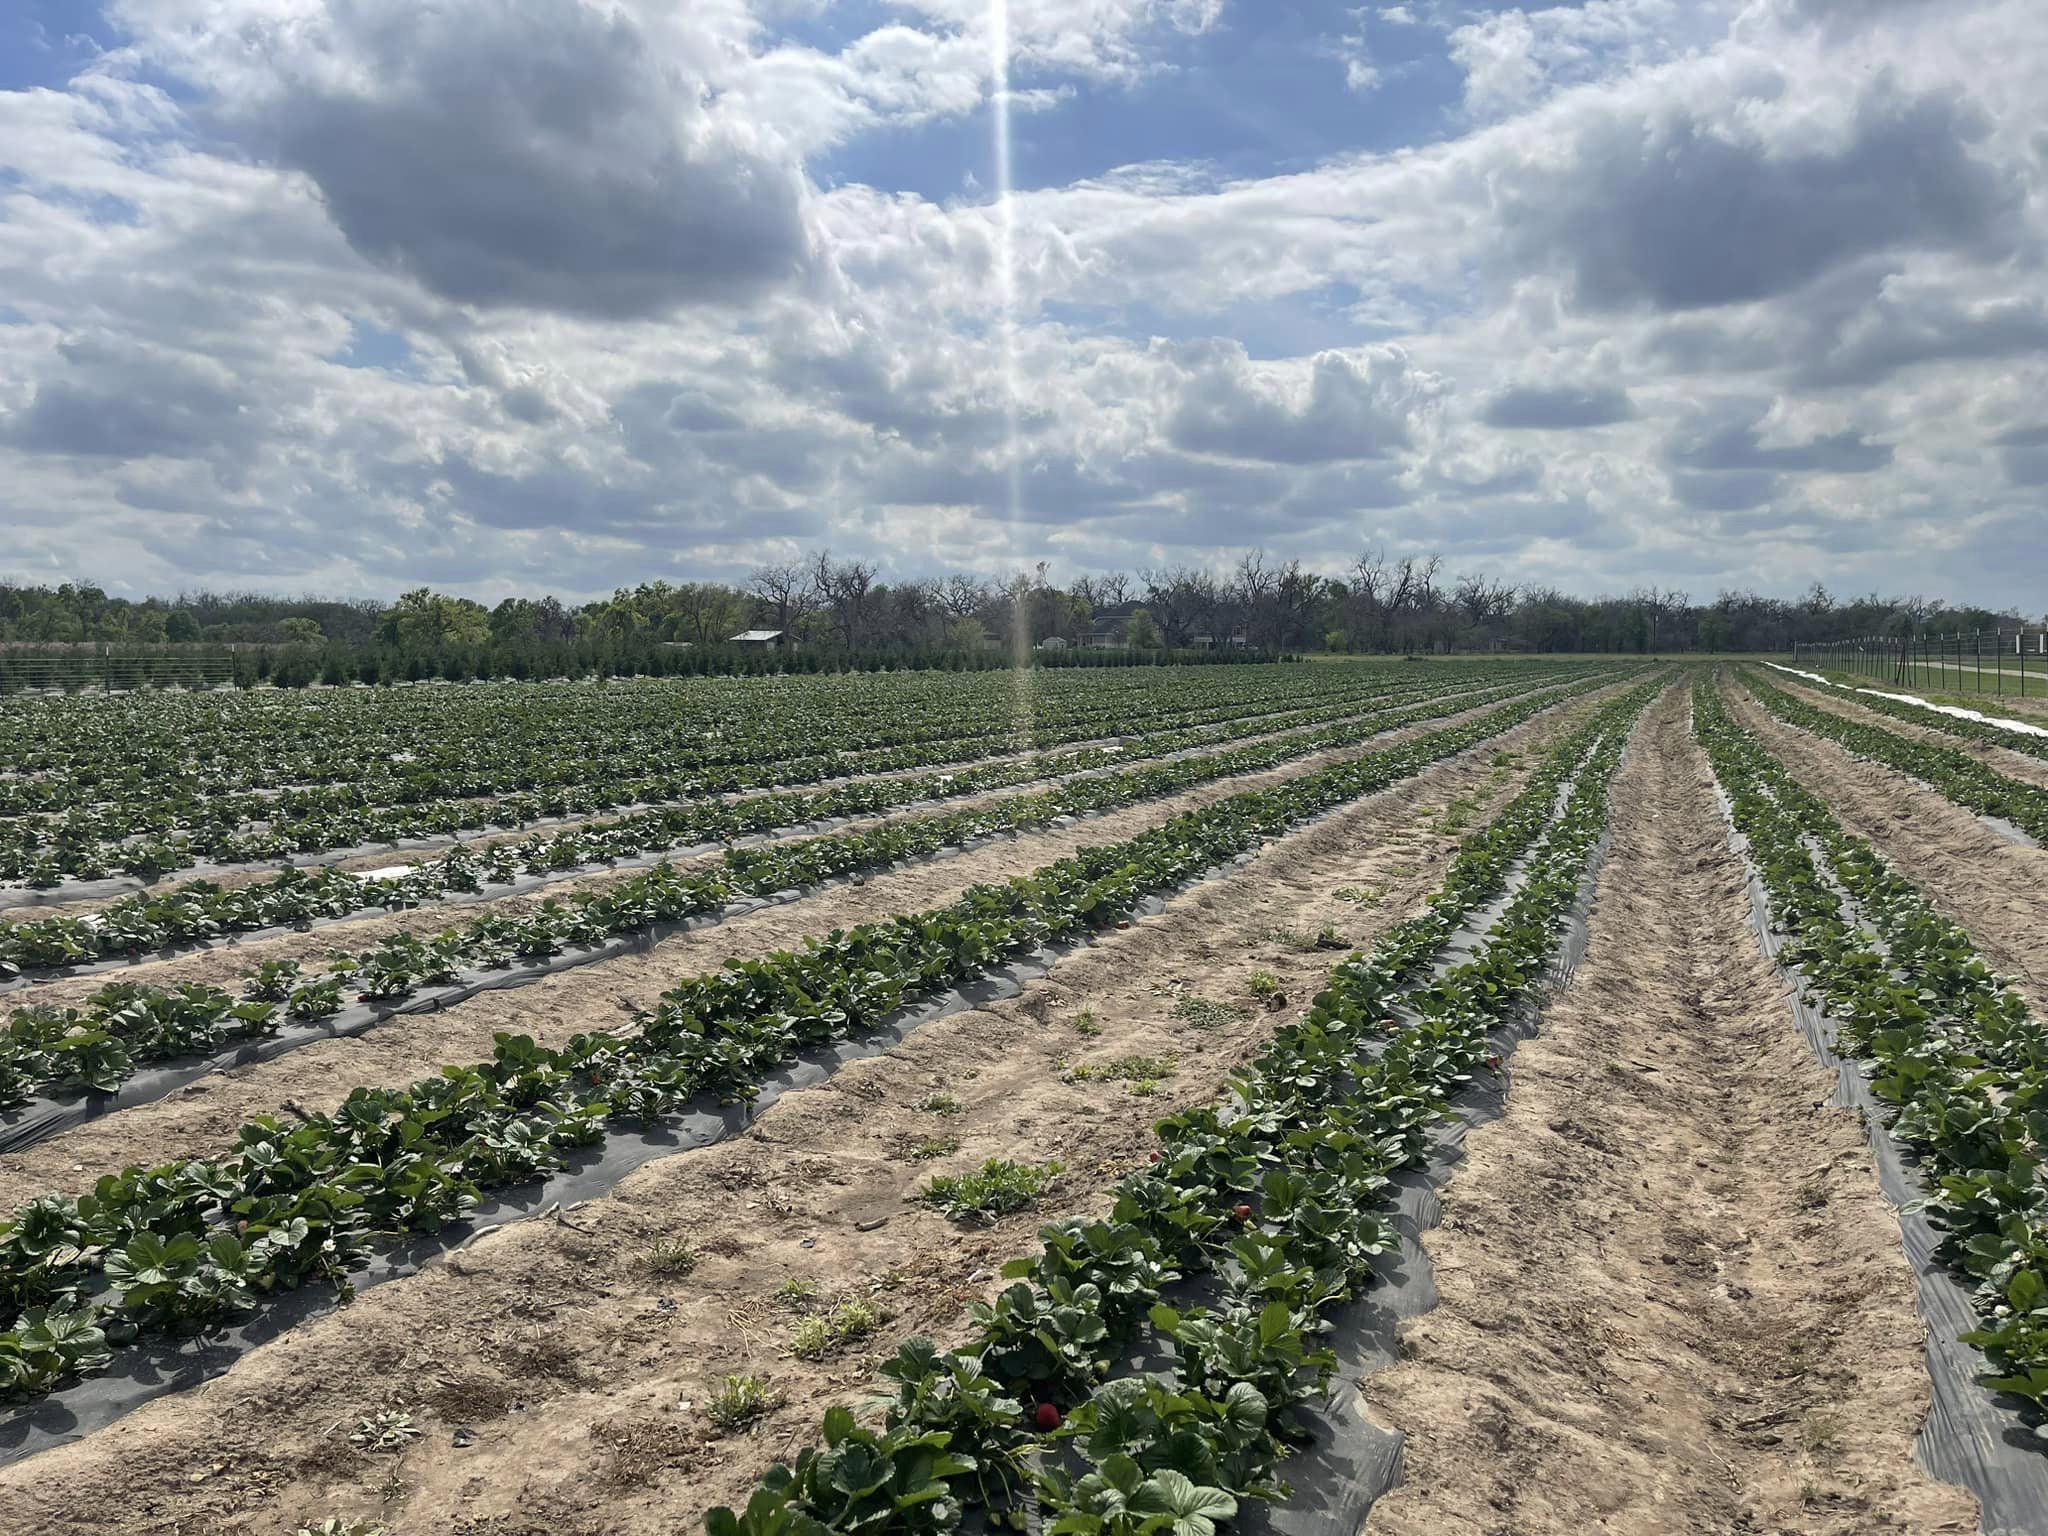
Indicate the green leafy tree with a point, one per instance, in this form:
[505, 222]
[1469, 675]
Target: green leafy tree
[619, 620]
[425, 620]
[1141, 631]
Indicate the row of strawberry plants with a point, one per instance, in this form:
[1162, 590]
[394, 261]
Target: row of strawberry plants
[1950, 1050]
[1279, 1195]
[151, 831]
[178, 1246]
[131, 1024]
[608, 767]
[1953, 772]
[203, 910]
[155, 829]
[82, 750]
[1953, 725]
[72, 751]
[78, 849]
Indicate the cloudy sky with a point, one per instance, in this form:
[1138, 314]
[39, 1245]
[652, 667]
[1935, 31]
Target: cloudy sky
[349, 295]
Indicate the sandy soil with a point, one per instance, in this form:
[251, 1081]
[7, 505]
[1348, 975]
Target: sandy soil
[1975, 877]
[224, 964]
[581, 1374]
[1674, 1300]
[2015, 765]
[202, 1119]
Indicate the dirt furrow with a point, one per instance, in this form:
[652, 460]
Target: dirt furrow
[1673, 1298]
[580, 1376]
[1985, 882]
[201, 1120]
[2014, 765]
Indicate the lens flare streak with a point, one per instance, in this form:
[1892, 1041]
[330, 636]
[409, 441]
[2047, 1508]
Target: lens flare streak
[1006, 340]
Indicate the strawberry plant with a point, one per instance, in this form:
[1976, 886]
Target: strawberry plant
[1950, 1050]
[1044, 1341]
[858, 1481]
[401, 966]
[1119, 1499]
[1316, 1124]
[46, 1345]
[948, 1393]
[306, 1200]
[382, 766]
[1144, 1423]
[1950, 770]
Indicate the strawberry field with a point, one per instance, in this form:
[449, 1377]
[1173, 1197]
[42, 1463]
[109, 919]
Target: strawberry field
[925, 1102]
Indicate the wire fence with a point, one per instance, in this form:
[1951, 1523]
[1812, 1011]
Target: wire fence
[1994, 661]
[82, 669]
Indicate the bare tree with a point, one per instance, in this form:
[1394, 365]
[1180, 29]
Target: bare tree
[785, 594]
[1366, 604]
[1414, 585]
[1250, 591]
[1182, 600]
[964, 596]
[1295, 595]
[1484, 603]
[1106, 591]
[844, 587]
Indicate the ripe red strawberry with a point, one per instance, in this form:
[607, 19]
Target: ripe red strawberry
[1241, 1213]
[1047, 1418]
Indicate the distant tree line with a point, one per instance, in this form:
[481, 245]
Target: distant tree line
[833, 614]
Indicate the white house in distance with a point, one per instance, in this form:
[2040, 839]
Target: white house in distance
[759, 639]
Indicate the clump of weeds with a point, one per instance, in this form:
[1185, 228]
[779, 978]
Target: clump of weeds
[740, 1400]
[671, 1257]
[995, 1189]
[1205, 1013]
[817, 1337]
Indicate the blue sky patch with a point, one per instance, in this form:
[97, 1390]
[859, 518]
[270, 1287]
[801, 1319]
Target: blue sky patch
[46, 42]
[371, 346]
